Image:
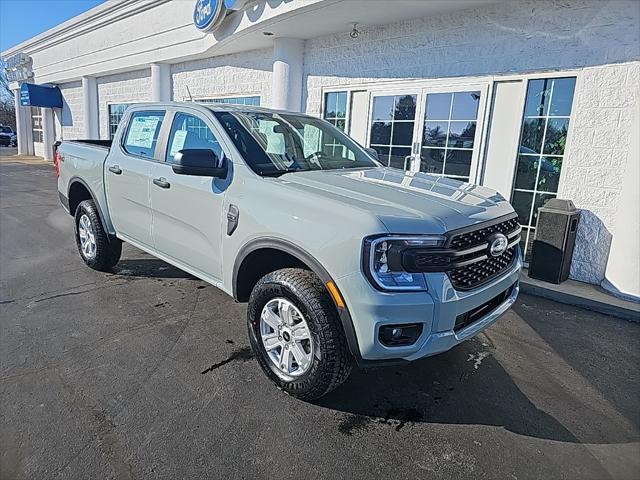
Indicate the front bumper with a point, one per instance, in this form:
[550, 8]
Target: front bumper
[437, 309]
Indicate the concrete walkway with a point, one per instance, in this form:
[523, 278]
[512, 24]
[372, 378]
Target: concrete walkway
[584, 295]
[10, 155]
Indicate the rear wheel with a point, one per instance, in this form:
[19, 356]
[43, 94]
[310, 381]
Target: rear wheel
[97, 249]
[296, 334]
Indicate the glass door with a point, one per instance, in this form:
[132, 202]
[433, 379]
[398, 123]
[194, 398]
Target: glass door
[431, 130]
[451, 126]
[392, 130]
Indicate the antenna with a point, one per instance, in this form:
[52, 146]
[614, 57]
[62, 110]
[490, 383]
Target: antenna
[189, 92]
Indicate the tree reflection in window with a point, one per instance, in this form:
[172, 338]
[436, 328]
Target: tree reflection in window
[392, 127]
[449, 134]
[542, 144]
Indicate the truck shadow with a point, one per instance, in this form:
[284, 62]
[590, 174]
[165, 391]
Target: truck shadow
[465, 386]
[149, 268]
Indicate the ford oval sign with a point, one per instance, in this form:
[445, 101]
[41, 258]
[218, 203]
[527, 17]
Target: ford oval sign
[208, 14]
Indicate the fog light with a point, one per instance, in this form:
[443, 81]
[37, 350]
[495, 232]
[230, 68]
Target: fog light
[399, 335]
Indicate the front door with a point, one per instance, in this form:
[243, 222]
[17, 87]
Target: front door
[127, 172]
[435, 130]
[393, 126]
[451, 130]
[187, 210]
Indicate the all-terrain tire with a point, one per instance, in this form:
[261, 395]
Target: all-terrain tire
[332, 361]
[107, 249]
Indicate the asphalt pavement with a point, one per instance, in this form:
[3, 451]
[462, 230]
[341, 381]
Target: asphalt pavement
[146, 372]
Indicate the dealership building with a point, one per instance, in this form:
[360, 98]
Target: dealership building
[536, 99]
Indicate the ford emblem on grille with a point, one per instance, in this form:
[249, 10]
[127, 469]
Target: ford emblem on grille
[498, 243]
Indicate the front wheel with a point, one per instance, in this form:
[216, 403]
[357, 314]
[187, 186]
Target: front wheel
[97, 249]
[296, 334]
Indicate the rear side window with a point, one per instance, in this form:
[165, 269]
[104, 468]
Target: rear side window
[142, 133]
[189, 132]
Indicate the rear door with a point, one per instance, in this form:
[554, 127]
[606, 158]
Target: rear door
[127, 175]
[188, 210]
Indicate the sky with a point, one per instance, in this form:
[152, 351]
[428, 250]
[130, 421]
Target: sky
[23, 19]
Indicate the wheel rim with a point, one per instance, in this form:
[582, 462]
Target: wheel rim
[87, 237]
[286, 338]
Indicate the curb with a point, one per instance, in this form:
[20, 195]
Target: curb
[591, 299]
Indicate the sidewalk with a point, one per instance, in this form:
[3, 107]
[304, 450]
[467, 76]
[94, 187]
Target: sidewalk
[9, 155]
[584, 295]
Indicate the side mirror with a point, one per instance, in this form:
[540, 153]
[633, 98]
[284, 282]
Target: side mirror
[373, 152]
[199, 163]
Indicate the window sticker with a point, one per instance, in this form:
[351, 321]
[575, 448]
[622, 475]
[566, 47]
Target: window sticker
[142, 131]
[178, 142]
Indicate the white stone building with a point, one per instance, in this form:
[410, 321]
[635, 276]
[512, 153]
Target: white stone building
[536, 99]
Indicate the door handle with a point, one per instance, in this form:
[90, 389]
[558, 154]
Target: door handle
[408, 159]
[115, 169]
[161, 182]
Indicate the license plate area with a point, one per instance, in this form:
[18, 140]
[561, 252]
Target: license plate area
[465, 319]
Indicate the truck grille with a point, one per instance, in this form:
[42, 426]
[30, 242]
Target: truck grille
[477, 267]
[474, 275]
[478, 237]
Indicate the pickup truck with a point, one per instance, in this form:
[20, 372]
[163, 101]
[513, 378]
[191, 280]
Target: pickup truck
[342, 261]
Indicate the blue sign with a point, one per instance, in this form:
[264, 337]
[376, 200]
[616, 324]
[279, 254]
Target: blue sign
[32, 95]
[208, 14]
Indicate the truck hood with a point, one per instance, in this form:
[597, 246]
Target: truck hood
[405, 202]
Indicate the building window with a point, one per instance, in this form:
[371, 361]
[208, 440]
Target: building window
[116, 111]
[544, 133]
[252, 100]
[449, 134]
[335, 109]
[392, 128]
[36, 124]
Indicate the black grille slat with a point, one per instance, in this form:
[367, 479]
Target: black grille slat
[478, 273]
[474, 238]
[471, 276]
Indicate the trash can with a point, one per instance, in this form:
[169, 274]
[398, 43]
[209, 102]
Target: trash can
[554, 241]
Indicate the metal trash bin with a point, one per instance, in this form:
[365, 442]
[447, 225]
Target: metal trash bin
[554, 242]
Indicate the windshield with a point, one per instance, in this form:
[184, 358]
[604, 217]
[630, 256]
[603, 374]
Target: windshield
[6, 130]
[277, 143]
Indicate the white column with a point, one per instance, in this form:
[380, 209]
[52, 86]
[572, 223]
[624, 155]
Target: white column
[288, 57]
[160, 82]
[21, 131]
[90, 107]
[623, 265]
[48, 135]
[23, 126]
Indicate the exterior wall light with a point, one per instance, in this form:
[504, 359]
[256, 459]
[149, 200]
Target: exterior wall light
[355, 32]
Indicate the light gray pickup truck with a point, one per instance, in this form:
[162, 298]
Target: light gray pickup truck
[343, 261]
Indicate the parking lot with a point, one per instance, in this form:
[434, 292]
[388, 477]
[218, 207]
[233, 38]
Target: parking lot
[146, 372]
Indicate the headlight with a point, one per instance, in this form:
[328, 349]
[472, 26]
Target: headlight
[382, 261]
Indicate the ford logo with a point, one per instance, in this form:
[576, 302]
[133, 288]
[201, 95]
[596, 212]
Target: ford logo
[208, 14]
[498, 243]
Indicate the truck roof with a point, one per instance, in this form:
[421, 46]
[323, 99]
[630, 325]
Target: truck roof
[216, 107]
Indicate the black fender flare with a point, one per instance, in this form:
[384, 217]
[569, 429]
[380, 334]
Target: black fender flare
[76, 179]
[315, 266]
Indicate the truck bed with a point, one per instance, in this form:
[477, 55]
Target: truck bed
[84, 159]
[98, 143]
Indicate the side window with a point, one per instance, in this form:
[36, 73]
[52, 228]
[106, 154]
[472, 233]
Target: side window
[189, 131]
[142, 133]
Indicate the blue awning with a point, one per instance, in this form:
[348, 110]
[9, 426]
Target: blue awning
[32, 95]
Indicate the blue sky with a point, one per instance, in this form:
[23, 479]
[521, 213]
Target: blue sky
[23, 19]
